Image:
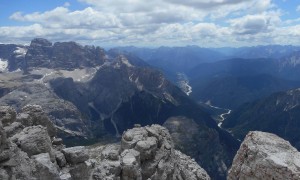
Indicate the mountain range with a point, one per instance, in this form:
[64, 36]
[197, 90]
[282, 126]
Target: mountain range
[93, 95]
[278, 113]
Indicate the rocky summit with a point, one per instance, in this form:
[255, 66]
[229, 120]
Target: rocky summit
[265, 156]
[92, 95]
[30, 150]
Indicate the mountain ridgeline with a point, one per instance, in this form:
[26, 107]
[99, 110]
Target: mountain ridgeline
[92, 94]
[278, 113]
[228, 77]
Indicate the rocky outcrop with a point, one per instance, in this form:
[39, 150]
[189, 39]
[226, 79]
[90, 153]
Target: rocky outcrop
[29, 148]
[146, 153]
[265, 156]
[33, 152]
[68, 120]
[204, 145]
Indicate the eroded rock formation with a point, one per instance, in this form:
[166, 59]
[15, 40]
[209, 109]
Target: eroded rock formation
[265, 156]
[29, 149]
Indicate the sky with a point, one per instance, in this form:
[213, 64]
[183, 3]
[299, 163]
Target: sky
[152, 23]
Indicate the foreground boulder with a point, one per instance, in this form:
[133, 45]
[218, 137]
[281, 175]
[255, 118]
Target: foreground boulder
[34, 151]
[265, 156]
[146, 153]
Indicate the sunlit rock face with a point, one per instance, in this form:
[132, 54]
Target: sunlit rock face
[265, 156]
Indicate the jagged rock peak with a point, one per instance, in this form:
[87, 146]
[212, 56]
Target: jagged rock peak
[40, 42]
[265, 156]
[28, 151]
[146, 153]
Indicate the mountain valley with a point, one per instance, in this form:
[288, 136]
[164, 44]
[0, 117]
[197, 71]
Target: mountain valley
[90, 95]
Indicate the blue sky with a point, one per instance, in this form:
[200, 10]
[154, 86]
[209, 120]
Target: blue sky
[207, 23]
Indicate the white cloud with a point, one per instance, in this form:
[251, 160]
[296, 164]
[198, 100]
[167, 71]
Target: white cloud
[158, 22]
[254, 24]
[61, 17]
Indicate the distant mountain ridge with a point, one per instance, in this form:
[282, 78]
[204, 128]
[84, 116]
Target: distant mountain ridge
[183, 59]
[230, 83]
[93, 94]
[278, 114]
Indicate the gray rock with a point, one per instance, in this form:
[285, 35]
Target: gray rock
[146, 153]
[3, 174]
[81, 171]
[4, 155]
[19, 166]
[110, 152]
[45, 168]
[57, 141]
[14, 128]
[265, 156]
[34, 115]
[34, 140]
[3, 138]
[65, 176]
[131, 167]
[147, 148]
[76, 154]
[60, 158]
[108, 164]
[188, 168]
[202, 144]
[7, 115]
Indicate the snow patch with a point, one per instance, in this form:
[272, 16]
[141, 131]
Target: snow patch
[78, 75]
[3, 65]
[20, 52]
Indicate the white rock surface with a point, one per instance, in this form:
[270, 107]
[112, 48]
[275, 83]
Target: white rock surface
[265, 156]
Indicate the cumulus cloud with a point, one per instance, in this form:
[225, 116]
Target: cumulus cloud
[254, 24]
[157, 22]
[61, 17]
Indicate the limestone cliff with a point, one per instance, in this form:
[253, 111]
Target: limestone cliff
[265, 156]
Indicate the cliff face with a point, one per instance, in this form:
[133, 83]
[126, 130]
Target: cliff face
[42, 53]
[30, 150]
[265, 156]
[205, 146]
